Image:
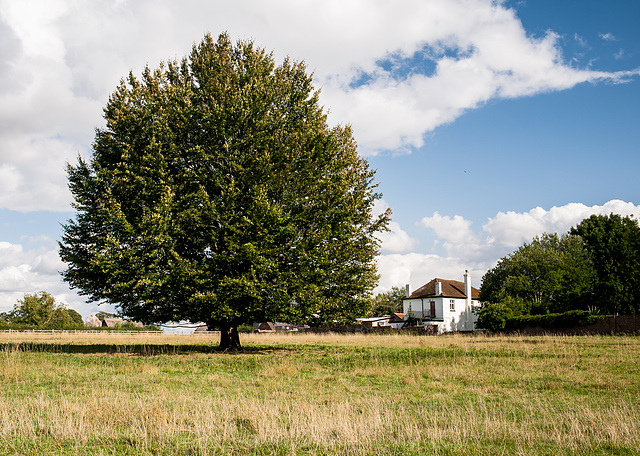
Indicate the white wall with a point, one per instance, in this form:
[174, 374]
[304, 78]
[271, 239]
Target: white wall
[449, 321]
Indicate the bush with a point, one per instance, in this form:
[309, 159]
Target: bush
[568, 319]
[494, 316]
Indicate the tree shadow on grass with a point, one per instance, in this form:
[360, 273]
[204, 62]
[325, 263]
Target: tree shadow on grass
[131, 349]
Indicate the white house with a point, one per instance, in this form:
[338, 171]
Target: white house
[447, 304]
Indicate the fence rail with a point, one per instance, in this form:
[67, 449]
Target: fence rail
[113, 332]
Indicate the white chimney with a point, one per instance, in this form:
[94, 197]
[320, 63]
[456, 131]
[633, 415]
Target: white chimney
[468, 297]
[467, 285]
[407, 290]
[438, 288]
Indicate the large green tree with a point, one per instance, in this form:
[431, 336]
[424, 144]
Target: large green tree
[551, 274]
[218, 193]
[613, 242]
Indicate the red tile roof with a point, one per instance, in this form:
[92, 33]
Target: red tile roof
[450, 289]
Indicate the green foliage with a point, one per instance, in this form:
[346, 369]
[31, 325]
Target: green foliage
[40, 311]
[387, 303]
[595, 267]
[245, 328]
[494, 316]
[218, 193]
[613, 243]
[151, 328]
[551, 274]
[102, 315]
[568, 319]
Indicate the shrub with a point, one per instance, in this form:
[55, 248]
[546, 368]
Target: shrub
[568, 319]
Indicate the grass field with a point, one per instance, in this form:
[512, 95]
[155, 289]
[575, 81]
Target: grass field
[319, 394]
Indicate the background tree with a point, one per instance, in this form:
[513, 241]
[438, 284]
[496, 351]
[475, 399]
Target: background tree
[218, 193]
[102, 315]
[551, 274]
[40, 310]
[614, 245]
[387, 303]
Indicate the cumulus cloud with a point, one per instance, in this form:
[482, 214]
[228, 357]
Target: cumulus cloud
[455, 229]
[480, 251]
[26, 271]
[417, 269]
[480, 51]
[459, 239]
[396, 240]
[509, 230]
[60, 59]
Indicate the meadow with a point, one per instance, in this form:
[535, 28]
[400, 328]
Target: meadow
[289, 394]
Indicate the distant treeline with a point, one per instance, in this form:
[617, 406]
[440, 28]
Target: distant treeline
[40, 311]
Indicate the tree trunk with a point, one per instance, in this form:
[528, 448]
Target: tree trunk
[229, 338]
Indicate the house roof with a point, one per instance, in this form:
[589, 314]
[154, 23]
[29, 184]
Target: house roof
[450, 289]
[112, 322]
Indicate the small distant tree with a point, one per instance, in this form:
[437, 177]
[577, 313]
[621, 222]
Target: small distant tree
[387, 303]
[40, 310]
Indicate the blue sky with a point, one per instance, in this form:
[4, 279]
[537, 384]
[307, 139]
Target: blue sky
[488, 122]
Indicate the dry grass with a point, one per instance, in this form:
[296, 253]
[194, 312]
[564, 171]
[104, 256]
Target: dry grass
[324, 394]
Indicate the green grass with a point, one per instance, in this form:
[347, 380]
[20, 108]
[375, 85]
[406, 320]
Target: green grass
[348, 395]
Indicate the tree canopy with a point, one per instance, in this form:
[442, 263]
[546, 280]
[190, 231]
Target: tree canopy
[613, 243]
[595, 267]
[41, 311]
[388, 302]
[217, 192]
[550, 274]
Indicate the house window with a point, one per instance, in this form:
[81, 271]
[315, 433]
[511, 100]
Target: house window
[452, 305]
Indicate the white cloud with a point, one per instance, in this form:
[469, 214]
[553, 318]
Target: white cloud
[26, 271]
[478, 252]
[511, 229]
[494, 58]
[417, 269]
[59, 60]
[459, 240]
[396, 240]
[607, 37]
[455, 229]
[582, 42]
